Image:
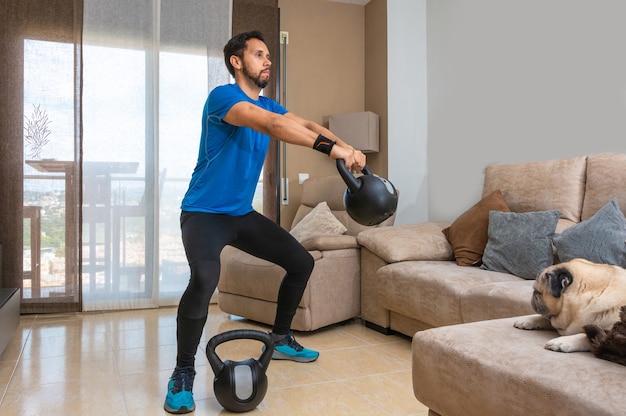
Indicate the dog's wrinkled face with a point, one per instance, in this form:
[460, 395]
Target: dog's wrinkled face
[571, 295]
[579, 292]
[549, 289]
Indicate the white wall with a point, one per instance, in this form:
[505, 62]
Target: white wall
[406, 86]
[517, 81]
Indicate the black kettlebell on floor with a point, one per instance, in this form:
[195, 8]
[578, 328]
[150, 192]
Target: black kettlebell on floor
[369, 199]
[240, 385]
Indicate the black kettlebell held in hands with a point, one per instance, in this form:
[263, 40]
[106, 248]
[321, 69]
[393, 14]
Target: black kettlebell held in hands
[240, 385]
[369, 199]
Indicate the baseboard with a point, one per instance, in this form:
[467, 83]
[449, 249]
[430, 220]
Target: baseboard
[9, 315]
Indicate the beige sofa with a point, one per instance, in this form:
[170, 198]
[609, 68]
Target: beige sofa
[467, 357]
[248, 285]
[410, 281]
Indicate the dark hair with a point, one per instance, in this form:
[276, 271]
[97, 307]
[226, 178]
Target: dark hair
[237, 44]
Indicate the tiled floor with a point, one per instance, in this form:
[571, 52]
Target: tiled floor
[118, 363]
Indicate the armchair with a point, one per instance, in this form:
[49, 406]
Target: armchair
[248, 286]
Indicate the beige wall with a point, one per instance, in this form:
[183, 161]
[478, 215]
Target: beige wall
[376, 78]
[325, 75]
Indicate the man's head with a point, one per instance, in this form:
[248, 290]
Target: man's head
[237, 45]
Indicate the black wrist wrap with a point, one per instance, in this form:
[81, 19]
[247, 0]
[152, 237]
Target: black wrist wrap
[323, 144]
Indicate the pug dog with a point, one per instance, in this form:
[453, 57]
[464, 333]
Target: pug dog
[567, 296]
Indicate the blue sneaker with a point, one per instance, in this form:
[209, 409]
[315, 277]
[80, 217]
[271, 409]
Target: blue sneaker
[289, 349]
[179, 397]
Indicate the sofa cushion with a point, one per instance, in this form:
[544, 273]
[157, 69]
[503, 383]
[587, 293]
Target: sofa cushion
[422, 241]
[319, 221]
[252, 277]
[468, 233]
[606, 176]
[600, 239]
[497, 300]
[520, 243]
[326, 242]
[431, 290]
[541, 186]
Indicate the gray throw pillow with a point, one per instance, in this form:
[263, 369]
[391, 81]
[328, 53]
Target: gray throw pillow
[600, 238]
[520, 243]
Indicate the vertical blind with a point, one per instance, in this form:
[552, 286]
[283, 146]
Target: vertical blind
[148, 66]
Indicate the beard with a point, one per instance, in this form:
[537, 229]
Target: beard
[261, 83]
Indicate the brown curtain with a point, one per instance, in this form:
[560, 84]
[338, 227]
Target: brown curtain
[46, 20]
[263, 15]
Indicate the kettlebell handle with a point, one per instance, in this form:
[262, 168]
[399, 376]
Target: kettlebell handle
[348, 177]
[217, 364]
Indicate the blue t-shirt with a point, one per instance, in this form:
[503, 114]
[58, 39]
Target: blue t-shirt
[230, 157]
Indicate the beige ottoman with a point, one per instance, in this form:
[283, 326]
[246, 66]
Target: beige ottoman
[491, 368]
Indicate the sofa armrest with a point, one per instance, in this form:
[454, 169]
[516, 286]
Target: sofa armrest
[423, 241]
[330, 242]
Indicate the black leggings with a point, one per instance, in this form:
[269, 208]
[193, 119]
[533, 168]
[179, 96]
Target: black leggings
[204, 236]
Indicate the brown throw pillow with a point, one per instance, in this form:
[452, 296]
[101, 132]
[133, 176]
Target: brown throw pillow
[468, 234]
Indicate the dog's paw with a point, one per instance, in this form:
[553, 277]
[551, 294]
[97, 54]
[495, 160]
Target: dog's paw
[569, 343]
[532, 322]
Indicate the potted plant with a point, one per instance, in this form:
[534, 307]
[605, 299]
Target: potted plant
[36, 132]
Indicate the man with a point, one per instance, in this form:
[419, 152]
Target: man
[217, 208]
